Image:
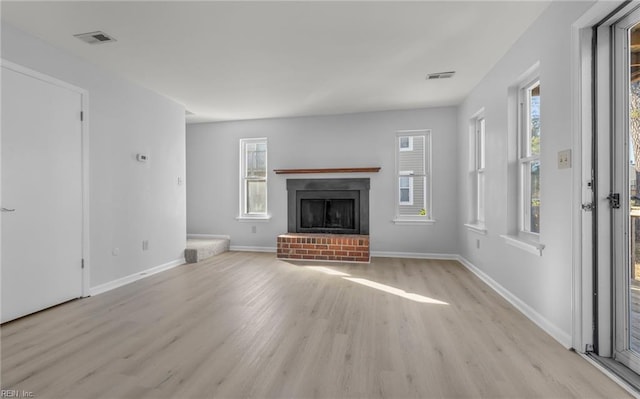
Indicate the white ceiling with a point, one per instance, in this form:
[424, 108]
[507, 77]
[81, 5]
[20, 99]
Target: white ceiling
[249, 60]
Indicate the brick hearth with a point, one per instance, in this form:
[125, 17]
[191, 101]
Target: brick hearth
[327, 247]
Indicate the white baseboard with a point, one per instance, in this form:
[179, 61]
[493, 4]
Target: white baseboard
[413, 255]
[240, 248]
[99, 289]
[562, 337]
[205, 236]
[380, 254]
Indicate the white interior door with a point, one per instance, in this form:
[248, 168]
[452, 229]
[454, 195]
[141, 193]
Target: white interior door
[41, 194]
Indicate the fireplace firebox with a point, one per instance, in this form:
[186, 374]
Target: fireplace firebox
[328, 206]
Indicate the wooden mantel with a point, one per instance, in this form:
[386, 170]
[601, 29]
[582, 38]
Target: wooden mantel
[327, 170]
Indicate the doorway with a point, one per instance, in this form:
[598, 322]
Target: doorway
[624, 196]
[42, 192]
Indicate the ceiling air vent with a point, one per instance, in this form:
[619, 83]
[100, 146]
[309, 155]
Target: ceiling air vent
[441, 75]
[95, 37]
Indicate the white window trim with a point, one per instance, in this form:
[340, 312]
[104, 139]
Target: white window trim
[478, 142]
[523, 185]
[533, 247]
[408, 221]
[476, 228]
[529, 242]
[480, 169]
[242, 214]
[264, 218]
[417, 219]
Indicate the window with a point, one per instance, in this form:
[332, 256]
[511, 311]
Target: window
[412, 175]
[529, 158]
[478, 169]
[523, 157]
[406, 143]
[253, 178]
[406, 188]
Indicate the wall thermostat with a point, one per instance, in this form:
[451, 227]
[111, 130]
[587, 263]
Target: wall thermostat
[142, 157]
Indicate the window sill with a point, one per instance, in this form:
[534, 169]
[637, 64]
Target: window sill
[526, 245]
[477, 228]
[261, 218]
[401, 221]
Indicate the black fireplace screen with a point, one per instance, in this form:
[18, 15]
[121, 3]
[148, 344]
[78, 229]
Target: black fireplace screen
[327, 214]
[328, 206]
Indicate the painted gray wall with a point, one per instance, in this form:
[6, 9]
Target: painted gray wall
[129, 201]
[544, 283]
[356, 140]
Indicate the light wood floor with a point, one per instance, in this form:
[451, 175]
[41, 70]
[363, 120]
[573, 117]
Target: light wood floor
[248, 325]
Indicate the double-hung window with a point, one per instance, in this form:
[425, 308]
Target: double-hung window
[413, 179]
[253, 178]
[529, 158]
[524, 174]
[479, 165]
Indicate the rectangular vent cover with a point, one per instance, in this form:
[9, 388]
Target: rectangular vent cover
[441, 75]
[95, 37]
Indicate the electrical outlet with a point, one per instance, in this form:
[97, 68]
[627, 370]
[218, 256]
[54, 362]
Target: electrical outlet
[478, 243]
[253, 229]
[145, 245]
[564, 159]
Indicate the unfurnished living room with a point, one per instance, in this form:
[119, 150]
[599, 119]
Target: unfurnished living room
[327, 199]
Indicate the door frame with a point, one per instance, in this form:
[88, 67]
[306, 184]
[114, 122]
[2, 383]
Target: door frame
[84, 139]
[621, 223]
[594, 117]
[589, 112]
[582, 304]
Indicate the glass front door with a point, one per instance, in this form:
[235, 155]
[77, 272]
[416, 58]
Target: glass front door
[624, 199]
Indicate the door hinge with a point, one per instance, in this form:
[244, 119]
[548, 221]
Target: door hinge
[82, 264]
[81, 116]
[614, 200]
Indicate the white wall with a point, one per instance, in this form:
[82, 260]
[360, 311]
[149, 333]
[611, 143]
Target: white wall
[542, 283]
[356, 140]
[129, 201]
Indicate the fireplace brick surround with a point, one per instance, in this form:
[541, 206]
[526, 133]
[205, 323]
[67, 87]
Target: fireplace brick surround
[328, 220]
[324, 247]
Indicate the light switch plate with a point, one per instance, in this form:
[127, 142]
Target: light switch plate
[564, 159]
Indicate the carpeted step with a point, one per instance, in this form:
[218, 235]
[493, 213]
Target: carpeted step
[199, 249]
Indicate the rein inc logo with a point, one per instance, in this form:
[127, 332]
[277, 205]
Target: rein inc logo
[16, 393]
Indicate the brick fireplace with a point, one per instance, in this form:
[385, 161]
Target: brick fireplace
[328, 219]
[327, 247]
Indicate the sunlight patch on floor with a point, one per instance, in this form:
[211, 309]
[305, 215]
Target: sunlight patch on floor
[395, 291]
[378, 286]
[326, 270]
